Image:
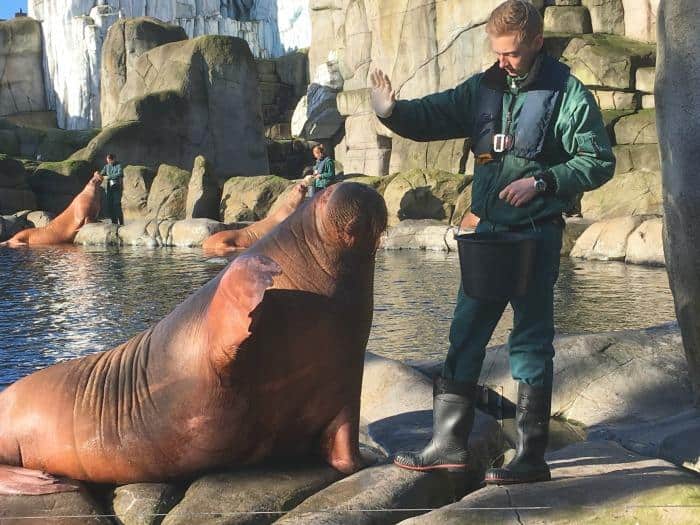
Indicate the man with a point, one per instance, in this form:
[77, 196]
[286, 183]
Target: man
[324, 169]
[115, 175]
[539, 140]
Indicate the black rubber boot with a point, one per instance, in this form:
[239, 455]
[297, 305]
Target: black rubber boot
[453, 417]
[532, 421]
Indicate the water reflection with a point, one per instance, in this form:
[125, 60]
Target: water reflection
[62, 302]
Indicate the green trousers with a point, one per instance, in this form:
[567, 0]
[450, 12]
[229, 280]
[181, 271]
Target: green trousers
[530, 342]
[114, 204]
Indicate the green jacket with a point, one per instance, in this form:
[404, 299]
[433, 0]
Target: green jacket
[576, 151]
[113, 172]
[326, 172]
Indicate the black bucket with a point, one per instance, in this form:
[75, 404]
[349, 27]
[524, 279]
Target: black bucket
[496, 265]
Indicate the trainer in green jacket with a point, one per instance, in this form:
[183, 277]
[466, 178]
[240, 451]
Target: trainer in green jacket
[115, 177]
[539, 140]
[324, 169]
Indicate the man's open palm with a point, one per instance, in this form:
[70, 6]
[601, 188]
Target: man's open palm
[382, 95]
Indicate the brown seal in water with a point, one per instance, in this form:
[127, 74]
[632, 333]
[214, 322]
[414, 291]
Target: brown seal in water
[265, 361]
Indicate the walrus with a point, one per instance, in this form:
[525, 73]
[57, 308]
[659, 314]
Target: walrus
[225, 242]
[678, 123]
[63, 229]
[265, 361]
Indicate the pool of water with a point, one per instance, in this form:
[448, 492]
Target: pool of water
[62, 302]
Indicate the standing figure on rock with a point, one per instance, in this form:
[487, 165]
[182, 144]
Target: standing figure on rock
[324, 170]
[539, 140]
[115, 185]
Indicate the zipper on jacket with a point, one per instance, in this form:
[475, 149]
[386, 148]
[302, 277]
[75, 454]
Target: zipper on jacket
[509, 120]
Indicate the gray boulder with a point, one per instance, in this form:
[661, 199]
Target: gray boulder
[203, 193]
[168, 196]
[145, 503]
[639, 128]
[608, 379]
[137, 185]
[565, 19]
[193, 232]
[632, 193]
[12, 224]
[606, 240]
[98, 234]
[238, 497]
[607, 16]
[189, 98]
[250, 198]
[592, 482]
[426, 234]
[56, 184]
[15, 192]
[126, 40]
[21, 67]
[70, 508]
[645, 245]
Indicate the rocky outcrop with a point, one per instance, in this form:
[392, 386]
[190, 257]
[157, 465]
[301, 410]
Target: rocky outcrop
[15, 193]
[606, 240]
[636, 192]
[56, 184]
[137, 185]
[127, 40]
[422, 194]
[98, 234]
[208, 105]
[74, 33]
[71, 508]
[168, 196]
[250, 198]
[21, 67]
[591, 482]
[203, 193]
[41, 143]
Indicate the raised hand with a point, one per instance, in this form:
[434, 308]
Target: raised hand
[382, 96]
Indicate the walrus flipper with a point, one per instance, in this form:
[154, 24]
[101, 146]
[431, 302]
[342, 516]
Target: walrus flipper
[239, 293]
[23, 481]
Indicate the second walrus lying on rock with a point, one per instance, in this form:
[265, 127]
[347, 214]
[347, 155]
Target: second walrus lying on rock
[83, 209]
[229, 241]
[265, 361]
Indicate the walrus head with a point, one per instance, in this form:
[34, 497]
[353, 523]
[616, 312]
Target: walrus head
[353, 213]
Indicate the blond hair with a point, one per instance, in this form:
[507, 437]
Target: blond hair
[515, 16]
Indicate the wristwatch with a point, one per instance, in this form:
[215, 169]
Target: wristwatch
[540, 185]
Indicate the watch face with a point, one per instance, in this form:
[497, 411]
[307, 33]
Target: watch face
[540, 185]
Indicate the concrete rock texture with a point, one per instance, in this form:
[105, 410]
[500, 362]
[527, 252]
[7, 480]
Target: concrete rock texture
[189, 98]
[21, 67]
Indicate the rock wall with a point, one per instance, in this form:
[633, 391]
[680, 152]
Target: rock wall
[189, 98]
[21, 75]
[74, 32]
[436, 44]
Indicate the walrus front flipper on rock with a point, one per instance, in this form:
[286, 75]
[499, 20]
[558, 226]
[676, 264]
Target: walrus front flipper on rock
[264, 362]
[24, 481]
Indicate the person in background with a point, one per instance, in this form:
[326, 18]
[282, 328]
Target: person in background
[324, 169]
[538, 140]
[115, 177]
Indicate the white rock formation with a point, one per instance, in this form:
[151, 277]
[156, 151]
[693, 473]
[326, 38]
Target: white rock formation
[294, 23]
[74, 31]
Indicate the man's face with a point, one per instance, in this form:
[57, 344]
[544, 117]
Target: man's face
[513, 57]
[110, 161]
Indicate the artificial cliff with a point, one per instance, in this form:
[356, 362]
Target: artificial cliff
[75, 30]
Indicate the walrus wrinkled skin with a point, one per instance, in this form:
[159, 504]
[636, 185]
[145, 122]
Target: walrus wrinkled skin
[83, 209]
[264, 361]
[678, 122]
[225, 242]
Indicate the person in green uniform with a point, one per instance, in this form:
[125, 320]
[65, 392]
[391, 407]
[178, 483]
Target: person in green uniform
[324, 169]
[115, 178]
[538, 140]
